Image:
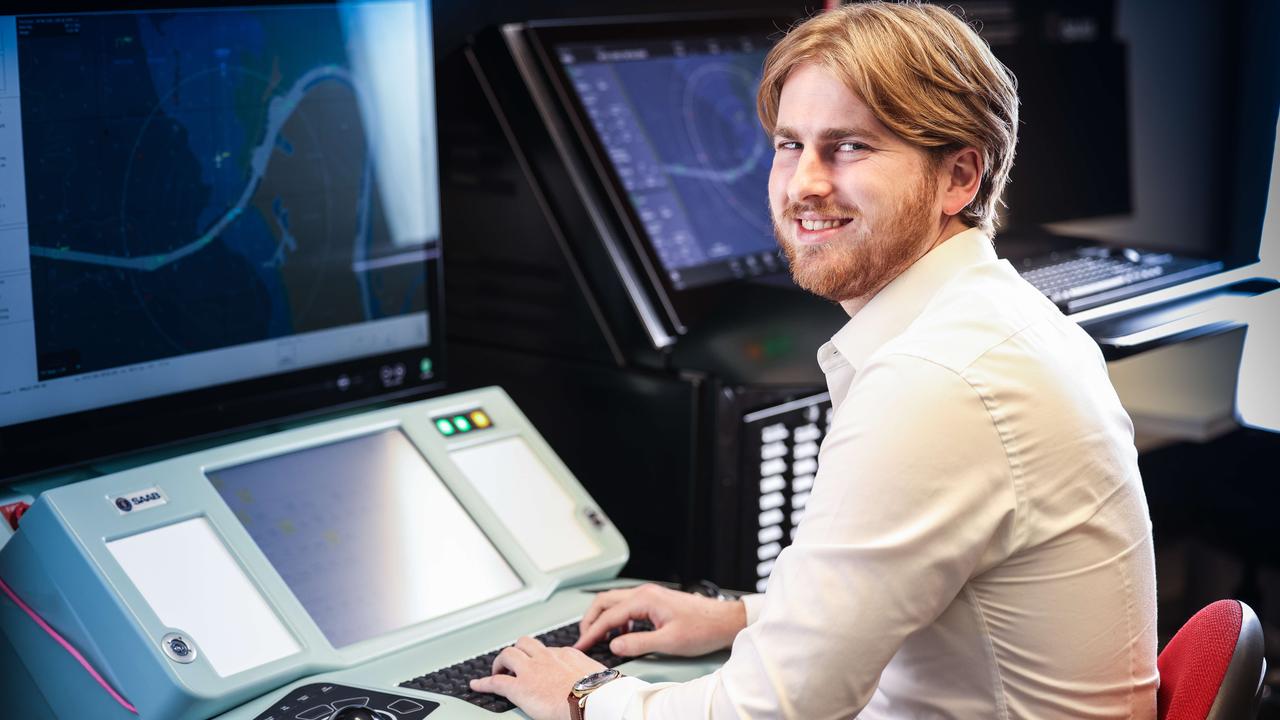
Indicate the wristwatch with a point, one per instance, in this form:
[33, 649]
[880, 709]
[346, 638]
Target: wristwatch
[586, 686]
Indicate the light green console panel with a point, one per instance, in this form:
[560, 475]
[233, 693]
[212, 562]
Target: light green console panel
[323, 562]
[387, 672]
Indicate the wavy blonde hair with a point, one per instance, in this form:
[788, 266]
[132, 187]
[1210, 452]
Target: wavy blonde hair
[923, 73]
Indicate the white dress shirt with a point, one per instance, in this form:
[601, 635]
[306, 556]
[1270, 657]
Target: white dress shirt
[977, 543]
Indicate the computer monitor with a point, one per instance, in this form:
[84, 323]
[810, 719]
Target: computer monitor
[211, 217]
[676, 118]
[663, 110]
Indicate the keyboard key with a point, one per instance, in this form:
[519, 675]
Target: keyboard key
[805, 433]
[773, 483]
[807, 466]
[805, 450]
[771, 501]
[773, 433]
[773, 450]
[769, 551]
[771, 517]
[455, 680]
[769, 534]
[776, 466]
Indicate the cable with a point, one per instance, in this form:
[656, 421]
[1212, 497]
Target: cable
[13, 511]
[66, 646]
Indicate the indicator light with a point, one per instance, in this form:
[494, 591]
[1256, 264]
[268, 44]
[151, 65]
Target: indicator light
[444, 426]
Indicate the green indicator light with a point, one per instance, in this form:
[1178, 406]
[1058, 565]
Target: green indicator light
[425, 366]
[444, 426]
[462, 423]
[778, 346]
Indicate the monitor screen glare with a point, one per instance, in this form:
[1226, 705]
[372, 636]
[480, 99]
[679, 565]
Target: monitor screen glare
[366, 535]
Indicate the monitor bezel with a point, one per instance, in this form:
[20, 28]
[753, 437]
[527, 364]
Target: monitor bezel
[176, 421]
[685, 306]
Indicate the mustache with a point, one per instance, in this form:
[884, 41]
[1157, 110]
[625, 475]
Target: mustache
[828, 209]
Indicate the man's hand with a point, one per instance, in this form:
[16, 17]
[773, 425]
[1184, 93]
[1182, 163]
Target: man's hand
[537, 678]
[684, 624]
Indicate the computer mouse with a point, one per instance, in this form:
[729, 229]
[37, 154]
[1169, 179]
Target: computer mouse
[357, 712]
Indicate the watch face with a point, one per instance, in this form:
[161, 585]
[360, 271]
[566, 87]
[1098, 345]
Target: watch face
[595, 680]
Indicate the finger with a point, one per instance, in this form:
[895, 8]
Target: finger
[531, 646]
[603, 601]
[571, 657]
[502, 685]
[641, 643]
[615, 617]
[510, 660]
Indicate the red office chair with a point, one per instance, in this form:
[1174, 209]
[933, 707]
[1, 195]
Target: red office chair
[1212, 669]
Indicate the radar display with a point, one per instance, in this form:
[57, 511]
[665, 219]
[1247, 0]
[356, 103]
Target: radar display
[679, 126]
[197, 180]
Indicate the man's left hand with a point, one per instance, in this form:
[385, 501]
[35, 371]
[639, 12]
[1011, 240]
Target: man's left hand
[537, 678]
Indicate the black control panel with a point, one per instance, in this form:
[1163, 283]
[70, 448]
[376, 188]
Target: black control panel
[780, 453]
[322, 701]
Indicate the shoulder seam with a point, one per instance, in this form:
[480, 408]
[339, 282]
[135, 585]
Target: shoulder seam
[1013, 464]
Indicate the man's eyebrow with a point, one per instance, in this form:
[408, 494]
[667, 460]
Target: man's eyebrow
[835, 133]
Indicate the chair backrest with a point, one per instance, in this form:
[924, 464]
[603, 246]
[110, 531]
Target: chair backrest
[1212, 669]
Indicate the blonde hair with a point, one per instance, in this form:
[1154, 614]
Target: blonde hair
[923, 73]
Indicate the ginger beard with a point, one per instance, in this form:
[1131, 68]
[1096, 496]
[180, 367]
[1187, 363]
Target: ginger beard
[868, 252]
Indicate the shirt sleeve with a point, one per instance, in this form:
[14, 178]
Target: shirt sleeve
[914, 495]
[753, 604]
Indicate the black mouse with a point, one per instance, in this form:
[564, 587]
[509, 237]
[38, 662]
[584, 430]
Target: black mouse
[357, 712]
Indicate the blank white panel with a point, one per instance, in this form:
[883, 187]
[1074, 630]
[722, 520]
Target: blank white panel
[529, 501]
[192, 583]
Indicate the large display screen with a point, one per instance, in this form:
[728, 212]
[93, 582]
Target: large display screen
[366, 535]
[677, 120]
[201, 197]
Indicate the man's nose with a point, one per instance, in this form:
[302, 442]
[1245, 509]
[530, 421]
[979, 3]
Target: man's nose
[812, 178]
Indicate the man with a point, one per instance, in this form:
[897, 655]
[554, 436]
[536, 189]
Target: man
[977, 543]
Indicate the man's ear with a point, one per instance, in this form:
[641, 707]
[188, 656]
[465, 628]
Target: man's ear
[960, 179]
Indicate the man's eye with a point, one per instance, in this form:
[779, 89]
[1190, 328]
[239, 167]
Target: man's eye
[851, 146]
[787, 145]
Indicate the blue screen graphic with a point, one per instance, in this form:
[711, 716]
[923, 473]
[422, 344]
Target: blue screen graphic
[198, 180]
[679, 125]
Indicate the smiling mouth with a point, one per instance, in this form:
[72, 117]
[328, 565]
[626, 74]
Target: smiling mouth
[814, 225]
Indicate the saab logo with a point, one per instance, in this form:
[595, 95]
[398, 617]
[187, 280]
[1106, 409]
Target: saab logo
[139, 500]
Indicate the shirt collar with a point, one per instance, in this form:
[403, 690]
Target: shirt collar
[901, 301]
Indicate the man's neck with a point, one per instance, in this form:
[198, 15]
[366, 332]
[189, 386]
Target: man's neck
[952, 227]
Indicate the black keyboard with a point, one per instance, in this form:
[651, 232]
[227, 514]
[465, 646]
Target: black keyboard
[1088, 277]
[455, 680]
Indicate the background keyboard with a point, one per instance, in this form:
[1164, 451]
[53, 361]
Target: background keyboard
[455, 680]
[1093, 276]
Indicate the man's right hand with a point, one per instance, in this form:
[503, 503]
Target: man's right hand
[683, 623]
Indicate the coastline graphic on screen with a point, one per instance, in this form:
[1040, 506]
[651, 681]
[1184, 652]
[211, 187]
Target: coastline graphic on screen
[198, 180]
[678, 123]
